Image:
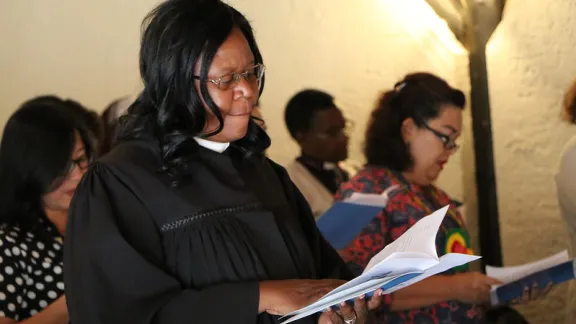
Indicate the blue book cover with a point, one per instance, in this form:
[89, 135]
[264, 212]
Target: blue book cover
[510, 292]
[344, 221]
[389, 285]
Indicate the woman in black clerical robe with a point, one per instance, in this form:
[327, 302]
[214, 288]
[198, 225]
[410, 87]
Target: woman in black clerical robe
[185, 220]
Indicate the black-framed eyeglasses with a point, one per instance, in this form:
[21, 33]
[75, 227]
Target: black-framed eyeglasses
[447, 141]
[337, 132]
[252, 75]
[83, 162]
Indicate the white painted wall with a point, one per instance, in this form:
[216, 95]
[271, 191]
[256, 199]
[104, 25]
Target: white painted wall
[86, 50]
[353, 49]
[531, 62]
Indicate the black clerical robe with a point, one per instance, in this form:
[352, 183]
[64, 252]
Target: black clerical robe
[139, 250]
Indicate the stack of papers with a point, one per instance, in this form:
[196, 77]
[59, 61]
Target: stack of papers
[409, 259]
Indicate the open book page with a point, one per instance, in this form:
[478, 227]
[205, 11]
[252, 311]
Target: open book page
[420, 239]
[514, 291]
[510, 274]
[337, 298]
[390, 270]
[447, 262]
[404, 261]
[413, 251]
[379, 200]
[388, 285]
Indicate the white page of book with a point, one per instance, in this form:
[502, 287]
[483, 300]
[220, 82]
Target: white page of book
[448, 261]
[413, 251]
[392, 267]
[370, 199]
[420, 238]
[511, 274]
[337, 298]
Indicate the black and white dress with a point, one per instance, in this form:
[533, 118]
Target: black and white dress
[31, 268]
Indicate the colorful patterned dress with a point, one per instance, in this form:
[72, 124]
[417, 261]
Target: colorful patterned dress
[408, 205]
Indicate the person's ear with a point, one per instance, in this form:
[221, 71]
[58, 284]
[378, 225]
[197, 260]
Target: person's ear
[408, 129]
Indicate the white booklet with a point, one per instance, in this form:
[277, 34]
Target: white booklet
[513, 273]
[407, 260]
[554, 269]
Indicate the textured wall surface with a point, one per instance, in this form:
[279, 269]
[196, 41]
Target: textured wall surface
[531, 62]
[351, 49]
[84, 50]
[354, 50]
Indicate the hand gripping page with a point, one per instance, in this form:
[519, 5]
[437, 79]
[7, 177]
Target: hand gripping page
[409, 259]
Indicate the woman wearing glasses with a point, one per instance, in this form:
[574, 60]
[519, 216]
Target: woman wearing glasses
[44, 152]
[410, 137]
[185, 220]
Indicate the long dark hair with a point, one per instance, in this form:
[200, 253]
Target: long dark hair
[178, 35]
[419, 96]
[35, 153]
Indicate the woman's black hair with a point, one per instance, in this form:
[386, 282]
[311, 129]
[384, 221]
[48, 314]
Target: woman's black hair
[90, 118]
[419, 96]
[178, 35]
[35, 152]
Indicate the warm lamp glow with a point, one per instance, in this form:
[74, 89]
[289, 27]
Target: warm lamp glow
[495, 43]
[421, 21]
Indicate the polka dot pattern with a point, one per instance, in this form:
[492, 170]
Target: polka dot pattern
[31, 275]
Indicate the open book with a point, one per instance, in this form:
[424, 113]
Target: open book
[344, 220]
[552, 270]
[407, 260]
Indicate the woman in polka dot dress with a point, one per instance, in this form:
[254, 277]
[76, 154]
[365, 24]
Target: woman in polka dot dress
[43, 154]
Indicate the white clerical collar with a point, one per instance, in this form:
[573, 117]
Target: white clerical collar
[211, 145]
[329, 166]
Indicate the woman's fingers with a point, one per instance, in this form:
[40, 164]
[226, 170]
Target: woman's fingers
[534, 292]
[331, 317]
[376, 300]
[325, 318]
[361, 308]
[347, 313]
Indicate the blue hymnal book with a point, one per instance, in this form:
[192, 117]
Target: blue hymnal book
[345, 219]
[557, 274]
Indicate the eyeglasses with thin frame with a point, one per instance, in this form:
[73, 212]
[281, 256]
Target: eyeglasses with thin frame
[334, 133]
[448, 143]
[252, 75]
[83, 162]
